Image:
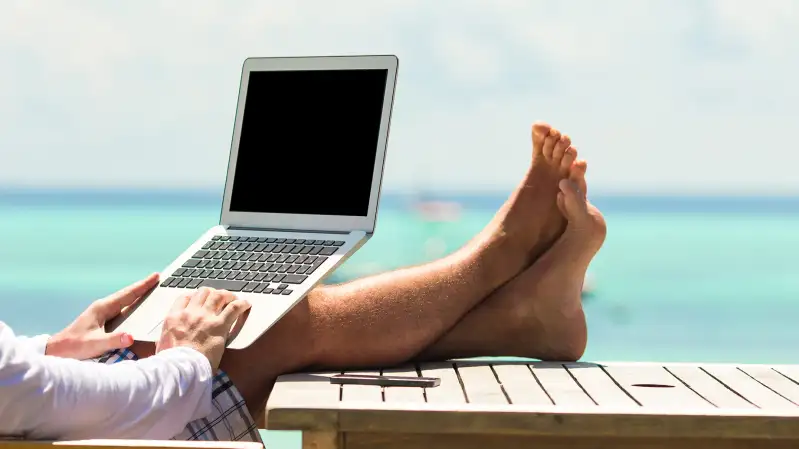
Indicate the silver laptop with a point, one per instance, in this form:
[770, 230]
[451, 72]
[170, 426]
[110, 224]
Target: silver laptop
[302, 189]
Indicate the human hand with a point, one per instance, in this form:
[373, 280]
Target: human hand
[86, 336]
[202, 321]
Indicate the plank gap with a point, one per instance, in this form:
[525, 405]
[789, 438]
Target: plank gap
[620, 386]
[382, 388]
[761, 383]
[341, 389]
[460, 381]
[419, 373]
[690, 387]
[501, 387]
[579, 384]
[538, 381]
[785, 375]
[728, 387]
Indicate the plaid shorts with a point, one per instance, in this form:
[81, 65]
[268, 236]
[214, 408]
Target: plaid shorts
[229, 420]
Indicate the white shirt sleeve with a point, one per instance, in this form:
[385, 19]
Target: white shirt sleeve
[37, 344]
[44, 397]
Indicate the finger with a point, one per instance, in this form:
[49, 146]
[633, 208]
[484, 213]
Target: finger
[233, 311]
[218, 299]
[113, 304]
[181, 302]
[199, 297]
[110, 342]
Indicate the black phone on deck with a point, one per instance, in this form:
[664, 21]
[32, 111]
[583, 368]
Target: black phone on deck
[385, 381]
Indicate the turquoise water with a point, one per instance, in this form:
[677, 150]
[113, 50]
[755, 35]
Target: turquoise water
[679, 279]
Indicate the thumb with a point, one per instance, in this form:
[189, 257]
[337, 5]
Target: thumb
[111, 341]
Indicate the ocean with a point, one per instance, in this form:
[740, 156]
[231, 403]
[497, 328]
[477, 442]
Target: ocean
[678, 279]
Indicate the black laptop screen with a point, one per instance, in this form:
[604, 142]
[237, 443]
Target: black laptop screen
[309, 142]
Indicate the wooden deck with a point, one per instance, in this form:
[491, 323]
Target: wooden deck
[548, 405]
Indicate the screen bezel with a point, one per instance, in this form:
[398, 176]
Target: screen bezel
[263, 220]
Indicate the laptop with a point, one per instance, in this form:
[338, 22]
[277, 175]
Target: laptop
[301, 194]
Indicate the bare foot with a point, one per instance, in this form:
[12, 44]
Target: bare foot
[530, 221]
[538, 313]
[555, 317]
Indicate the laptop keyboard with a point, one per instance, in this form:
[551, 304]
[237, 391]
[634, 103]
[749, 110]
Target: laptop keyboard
[252, 264]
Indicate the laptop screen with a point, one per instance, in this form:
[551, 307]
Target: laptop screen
[309, 142]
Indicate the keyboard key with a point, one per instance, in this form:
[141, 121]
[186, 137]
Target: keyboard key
[293, 278]
[250, 276]
[260, 276]
[169, 281]
[216, 237]
[250, 287]
[282, 286]
[200, 254]
[269, 277]
[233, 238]
[306, 249]
[241, 275]
[328, 242]
[208, 245]
[292, 268]
[268, 291]
[271, 240]
[233, 286]
[299, 241]
[318, 242]
[232, 275]
[261, 287]
[302, 269]
[315, 250]
[287, 291]
[338, 243]
[280, 240]
[279, 278]
[179, 272]
[261, 239]
[183, 282]
[191, 263]
[328, 251]
[290, 240]
[194, 283]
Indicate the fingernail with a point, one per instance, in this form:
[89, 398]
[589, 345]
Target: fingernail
[126, 339]
[563, 185]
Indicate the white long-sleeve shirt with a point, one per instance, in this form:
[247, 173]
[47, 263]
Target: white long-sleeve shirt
[45, 397]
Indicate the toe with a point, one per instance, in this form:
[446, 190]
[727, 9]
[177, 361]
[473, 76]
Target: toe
[577, 176]
[540, 132]
[549, 143]
[568, 159]
[573, 202]
[560, 149]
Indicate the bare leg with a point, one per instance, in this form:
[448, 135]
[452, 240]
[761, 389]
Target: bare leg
[539, 313]
[389, 318]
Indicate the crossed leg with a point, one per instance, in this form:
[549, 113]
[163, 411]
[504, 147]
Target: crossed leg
[484, 299]
[470, 303]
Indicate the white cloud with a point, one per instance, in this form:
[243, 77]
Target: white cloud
[659, 95]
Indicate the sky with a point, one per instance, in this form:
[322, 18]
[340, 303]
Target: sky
[661, 97]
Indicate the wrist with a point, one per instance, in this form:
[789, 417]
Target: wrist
[55, 346]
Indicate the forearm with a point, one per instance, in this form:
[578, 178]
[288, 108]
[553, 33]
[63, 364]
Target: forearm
[48, 397]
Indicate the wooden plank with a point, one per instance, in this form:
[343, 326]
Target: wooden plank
[424, 441]
[708, 387]
[480, 383]
[322, 440]
[599, 385]
[520, 385]
[560, 385]
[749, 388]
[775, 381]
[403, 394]
[305, 389]
[450, 391]
[560, 421]
[653, 386]
[369, 393]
